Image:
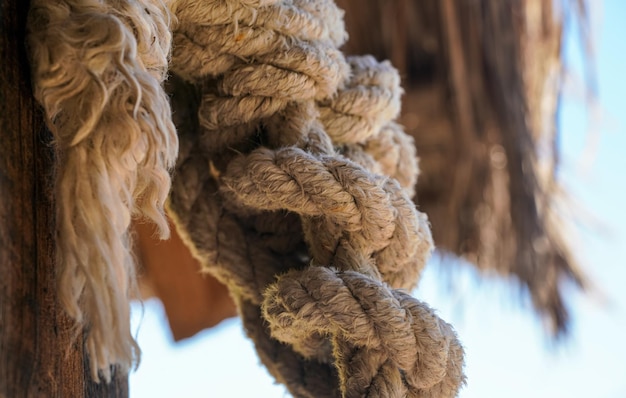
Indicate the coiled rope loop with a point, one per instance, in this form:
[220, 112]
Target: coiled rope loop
[406, 343]
[299, 140]
[292, 185]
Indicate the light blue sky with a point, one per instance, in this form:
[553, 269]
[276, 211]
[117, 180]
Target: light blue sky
[508, 354]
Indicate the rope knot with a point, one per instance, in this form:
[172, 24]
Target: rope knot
[289, 157]
[307, 148]
[394, 336]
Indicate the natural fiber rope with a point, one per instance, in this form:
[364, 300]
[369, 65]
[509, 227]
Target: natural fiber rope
[274, 130]
[97, 69]
[292, 185]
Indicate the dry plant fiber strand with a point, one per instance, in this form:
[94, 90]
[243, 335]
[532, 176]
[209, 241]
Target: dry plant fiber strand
[292, 186]
[482, 110]
[97, 70]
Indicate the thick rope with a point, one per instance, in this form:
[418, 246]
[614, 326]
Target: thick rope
[287, 127]
[364, 313]
[361, 118]
[292, 185]
[97, 68]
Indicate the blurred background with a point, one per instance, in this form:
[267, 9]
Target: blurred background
[517, 342]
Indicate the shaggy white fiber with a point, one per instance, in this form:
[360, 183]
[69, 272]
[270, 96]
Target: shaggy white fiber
[97, 71]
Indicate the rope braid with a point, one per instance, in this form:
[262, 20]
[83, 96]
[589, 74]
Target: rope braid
[292, 186]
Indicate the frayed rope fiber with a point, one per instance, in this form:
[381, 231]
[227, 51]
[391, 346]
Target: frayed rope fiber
[292, 185]
[97, 71]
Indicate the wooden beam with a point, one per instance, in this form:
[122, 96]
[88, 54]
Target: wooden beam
[38, 355]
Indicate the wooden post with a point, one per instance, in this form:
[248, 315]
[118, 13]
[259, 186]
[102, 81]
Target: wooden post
[37, 357]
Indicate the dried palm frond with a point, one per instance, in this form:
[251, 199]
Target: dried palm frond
[482, 82]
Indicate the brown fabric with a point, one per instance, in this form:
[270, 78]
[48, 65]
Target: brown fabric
[193, 301]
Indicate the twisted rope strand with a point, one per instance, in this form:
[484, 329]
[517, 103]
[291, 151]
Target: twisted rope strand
[365, 314]
[285, 187]
[266, 93]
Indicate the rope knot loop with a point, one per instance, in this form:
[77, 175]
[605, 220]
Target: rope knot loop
[395, 336]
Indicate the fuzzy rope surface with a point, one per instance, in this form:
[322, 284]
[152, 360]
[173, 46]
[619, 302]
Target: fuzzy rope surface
[97, 69]
[281, 192]
[292, 186]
